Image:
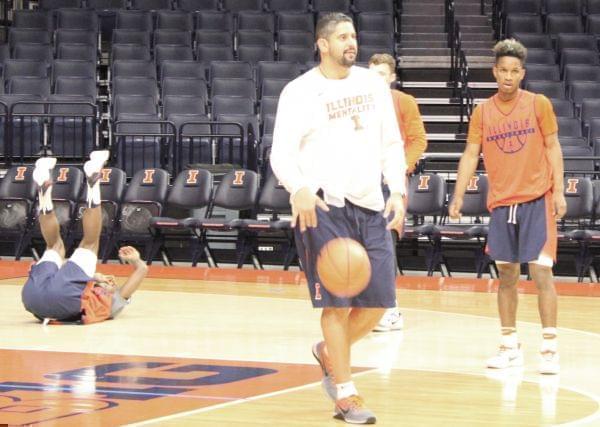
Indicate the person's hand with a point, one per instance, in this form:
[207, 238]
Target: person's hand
[560, 204]
[304, 204]
[395, 204]
[455, 207]
[108, 279]
[129, 255]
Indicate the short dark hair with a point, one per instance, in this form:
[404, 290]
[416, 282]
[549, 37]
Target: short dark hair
[510, 47]
[383, 58]
[327, 23]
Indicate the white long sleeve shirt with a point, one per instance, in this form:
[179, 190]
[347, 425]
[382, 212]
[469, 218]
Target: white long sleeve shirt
[339, 136]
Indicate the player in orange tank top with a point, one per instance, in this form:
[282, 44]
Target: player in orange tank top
[517, 133]
[413, 134]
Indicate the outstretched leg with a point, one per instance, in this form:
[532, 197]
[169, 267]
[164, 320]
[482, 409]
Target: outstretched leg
[42, 175]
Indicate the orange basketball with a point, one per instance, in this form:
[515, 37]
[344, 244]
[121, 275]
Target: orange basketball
[344, 267]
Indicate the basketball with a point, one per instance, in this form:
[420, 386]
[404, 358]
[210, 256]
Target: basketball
[344, 267]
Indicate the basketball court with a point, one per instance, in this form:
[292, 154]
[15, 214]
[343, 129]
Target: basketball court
[208, 347]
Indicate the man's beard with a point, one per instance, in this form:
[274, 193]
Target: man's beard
[345, 62]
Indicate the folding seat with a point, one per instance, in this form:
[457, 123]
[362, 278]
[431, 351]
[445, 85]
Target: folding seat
[576, 41]
[577, 166]
[70, 85]
[590, 109]
[543, 72]
[64, 35]
[33, 52]
[127, 36]
[150, 5]
[230, 69]
[272, 87]
[208, 53]
[236, 6]
[366, 52]
[129, 52]
[578, 56]
[237, 191]
[27, 129]
[33, 19]
[23, 68]
[195, 141]
[174, 20]
[255, 53]
[191, 192]
[145, 86]
[426, 204]
[73, 68]
[255, 37]
[268, 125]
[541, 56]
[296, 21]
[523, 24]
[126, 104]
[173, 38]
[144, 198]
[133, 68]
[581, 72]
[276, 70]
[568, 7]
[194, 5]
[592, 25]
[383, 22]
[233, 87]
[177, 105]
[332, 6]
[106, 4]
[59, 4]
[255, 20]
[569, 126]
[28, 35]
[233, 139]
[139, 20]
[112, 188]
[578, 91]
[534, 40]
[592, 7]
[563, 107]
[556, 24]
[593, 131]
[287, 5]
[533, 7]
[297, 54]
[39, 86]
[214, 37]
[77, 51]
[140, 142]
[214, 20]
[379, 6]
[77, 19]
[231, 105]
[17, 200]
[548, 88]
[190, 69]
[164, 53]
[184, 86]
[376, 38]
[73, 126]
[295, 38]
[268, 105]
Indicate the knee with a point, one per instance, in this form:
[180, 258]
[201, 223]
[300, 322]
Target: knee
[335, 314]
[509, 275]
[542, 276]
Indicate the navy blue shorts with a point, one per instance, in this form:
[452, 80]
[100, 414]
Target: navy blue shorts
[522, 233]
[55, 293]
[368, 228]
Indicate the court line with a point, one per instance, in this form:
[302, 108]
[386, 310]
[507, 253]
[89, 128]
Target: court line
[236, 402]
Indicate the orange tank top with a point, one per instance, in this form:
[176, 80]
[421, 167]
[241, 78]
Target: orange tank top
[514, 153]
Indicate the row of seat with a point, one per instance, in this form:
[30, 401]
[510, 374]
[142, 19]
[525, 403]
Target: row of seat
[545, 7]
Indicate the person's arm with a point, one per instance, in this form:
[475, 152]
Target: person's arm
[131, 256]
[416, 137]
[554, 155]
[287, 137]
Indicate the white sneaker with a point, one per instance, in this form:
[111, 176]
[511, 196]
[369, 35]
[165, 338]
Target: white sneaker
[391, 320]
[43, 170]
[506, 357]
[549, 362]
[96, 163]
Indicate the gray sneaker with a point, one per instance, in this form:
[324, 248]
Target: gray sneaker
[327, 382]
[353, 410]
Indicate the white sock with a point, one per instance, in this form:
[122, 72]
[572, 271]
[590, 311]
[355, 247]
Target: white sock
[346, 390]
[93, 195]
[549, 340]
[509, 338]
[45, 200]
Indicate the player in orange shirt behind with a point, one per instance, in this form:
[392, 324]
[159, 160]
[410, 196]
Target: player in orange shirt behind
[517, 133]
[415, 143]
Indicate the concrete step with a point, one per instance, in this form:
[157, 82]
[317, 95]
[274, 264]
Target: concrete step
[445, 147]
[469, 44]
[423, 44]
[447, 127]
[431, 109]
[482, 29]
[412, 73]
[472, 20]
[421, 20]
[423, 29]
[424, 37]
[478, 52]
[430, 92]
[478, 36]
[424, 51]
[423, 8]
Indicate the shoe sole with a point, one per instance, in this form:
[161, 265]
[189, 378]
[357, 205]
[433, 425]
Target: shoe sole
[315, 353]
[518, 362]
[340, 416]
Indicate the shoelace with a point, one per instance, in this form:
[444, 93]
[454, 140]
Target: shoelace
[353, 402]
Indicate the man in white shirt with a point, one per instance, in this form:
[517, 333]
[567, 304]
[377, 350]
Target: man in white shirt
[335, 135]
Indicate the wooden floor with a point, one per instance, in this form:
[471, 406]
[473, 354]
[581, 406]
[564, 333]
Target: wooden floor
[201, 347]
